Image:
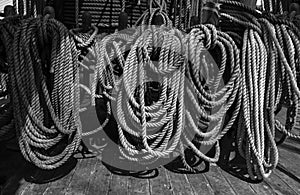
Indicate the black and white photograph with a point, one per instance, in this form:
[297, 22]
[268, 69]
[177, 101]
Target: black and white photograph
[149, 97]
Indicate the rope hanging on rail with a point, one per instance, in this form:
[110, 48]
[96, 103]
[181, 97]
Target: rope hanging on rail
[212, 99]
[259, 58]
[170, 102]
[8, 27]
[159, 114]
[87, 43]
[269, 63]
[45, 92]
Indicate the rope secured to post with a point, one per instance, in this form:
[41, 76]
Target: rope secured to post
[45, 92]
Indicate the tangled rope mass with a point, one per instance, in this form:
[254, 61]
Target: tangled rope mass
[45, 93]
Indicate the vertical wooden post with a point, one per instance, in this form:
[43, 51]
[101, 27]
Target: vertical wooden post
[59, 9]
[250, 3]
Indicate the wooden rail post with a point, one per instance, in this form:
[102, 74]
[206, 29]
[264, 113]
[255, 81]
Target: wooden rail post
[250, 3]
[59, 9]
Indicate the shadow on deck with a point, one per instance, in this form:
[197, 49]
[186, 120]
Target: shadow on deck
[91, 176]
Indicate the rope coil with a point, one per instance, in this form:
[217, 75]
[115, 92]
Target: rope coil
[269, 54]
[46, 113]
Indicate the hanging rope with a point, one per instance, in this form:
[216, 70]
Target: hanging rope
[45, 92]
[269, 65]
[158, 136]
[8, 27]
[211, 103]
[154, 139]
[86, 43]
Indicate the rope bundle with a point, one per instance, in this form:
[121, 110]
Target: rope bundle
[258, 63]
[7, 29]
[270, 61]
[132, 110]
[87, 44]
[159, 136]
[210, 100]
[157, 117]
[45, 92]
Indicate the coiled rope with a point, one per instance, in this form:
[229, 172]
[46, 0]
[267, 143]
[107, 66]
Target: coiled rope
[133, 112]
[210, 104]
[269, 65]
[8, 27]
[45, 92]
[87, 44]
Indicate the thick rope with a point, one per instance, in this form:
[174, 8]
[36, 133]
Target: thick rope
[270, 61]
[221, 98]
[160, 114]
[45, 91]
[132, 111]
[8, 27]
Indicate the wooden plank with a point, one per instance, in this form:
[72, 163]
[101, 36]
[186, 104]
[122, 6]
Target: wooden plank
[238, 185]
[218, 182]
[263, 188]
[286, 156]
[118, 185]
[279, 186]
[81, 178]
[200, 184]
[160, 184]
[14, 185]
[59, 186]
[35, 189]
[22, 186]
[289, 160]
[291, 182]
[100, 180]
[138, 186]
[179, 183]
[291, 146]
